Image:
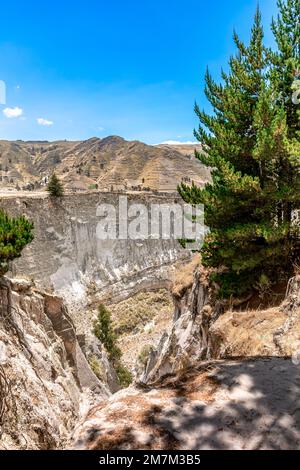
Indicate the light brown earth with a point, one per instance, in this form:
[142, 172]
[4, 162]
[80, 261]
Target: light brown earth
[109, 163]
[140, 322]
[261, 332]
[237, 404]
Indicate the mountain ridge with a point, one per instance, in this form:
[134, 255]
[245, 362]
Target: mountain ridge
[108, 163]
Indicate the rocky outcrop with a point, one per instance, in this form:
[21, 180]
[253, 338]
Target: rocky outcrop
[189, 398]
[45, 380]
[232, 404]
[188, 340]
[205, 329]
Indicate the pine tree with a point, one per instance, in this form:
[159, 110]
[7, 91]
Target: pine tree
[284, 74]
[55, 187]
[104, 331]
[248, 203]
[284, 77]
[15, 234]
[285, 62]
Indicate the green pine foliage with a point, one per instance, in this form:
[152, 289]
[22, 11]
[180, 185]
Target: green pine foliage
[285, 60]
[15, 234]
[104, 331]
[55, 187]
[251, 144]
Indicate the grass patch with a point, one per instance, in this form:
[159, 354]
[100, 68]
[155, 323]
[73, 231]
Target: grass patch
[140, 310]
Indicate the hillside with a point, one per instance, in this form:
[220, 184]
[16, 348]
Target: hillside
[111, 162]
[187, 149]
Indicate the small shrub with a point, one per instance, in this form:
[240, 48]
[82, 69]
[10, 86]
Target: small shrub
[124, 375]
[15, 234]
[144, 354]
[263, 286]
[96, 367]
[55, 187]
[104, 331]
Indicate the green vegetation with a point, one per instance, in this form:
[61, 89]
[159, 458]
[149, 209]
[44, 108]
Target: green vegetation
[15, 234]
[124, 375]
[104, 331]
[93, 186]
[144, 354]
[96, 367]
[140, 310]
[252, 144]
[55, 187]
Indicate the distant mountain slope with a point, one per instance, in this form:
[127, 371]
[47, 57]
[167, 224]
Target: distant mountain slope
[187, 149]
[109, 162]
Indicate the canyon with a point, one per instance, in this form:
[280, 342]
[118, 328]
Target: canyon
[205, 385]
[48, 305]
[205, 372]
[149, 292]
[68, 256]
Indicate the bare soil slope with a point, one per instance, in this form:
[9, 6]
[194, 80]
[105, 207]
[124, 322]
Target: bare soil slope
[109, 163]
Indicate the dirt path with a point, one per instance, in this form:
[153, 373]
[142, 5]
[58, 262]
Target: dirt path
[241, 404]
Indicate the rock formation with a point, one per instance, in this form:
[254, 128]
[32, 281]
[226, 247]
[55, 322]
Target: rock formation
[205, 329]
[67, 256]
[212, 383]
[221, 405]
[220, 380]
[196, 392]
[45, 380]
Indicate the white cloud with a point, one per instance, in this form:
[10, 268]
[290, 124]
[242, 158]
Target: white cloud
[44, 122]
[101, 129]
[13, 112]
[177, 142]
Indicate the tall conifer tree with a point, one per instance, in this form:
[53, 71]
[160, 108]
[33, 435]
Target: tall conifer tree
[249, 202]
[285, 62]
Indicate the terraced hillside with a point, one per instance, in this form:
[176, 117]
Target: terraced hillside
[109, 163]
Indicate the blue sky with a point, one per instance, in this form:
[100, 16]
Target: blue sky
[74, 70]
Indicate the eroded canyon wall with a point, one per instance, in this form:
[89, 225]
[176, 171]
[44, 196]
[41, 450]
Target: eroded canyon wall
[67, 255]
[45, 379]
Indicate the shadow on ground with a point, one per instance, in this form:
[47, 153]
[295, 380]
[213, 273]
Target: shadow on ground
[232, 404]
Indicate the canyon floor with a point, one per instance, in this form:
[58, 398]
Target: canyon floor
[140, 322]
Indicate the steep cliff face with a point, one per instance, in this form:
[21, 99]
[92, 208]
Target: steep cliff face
[67, 255]
[45, 380]
[187, 342]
